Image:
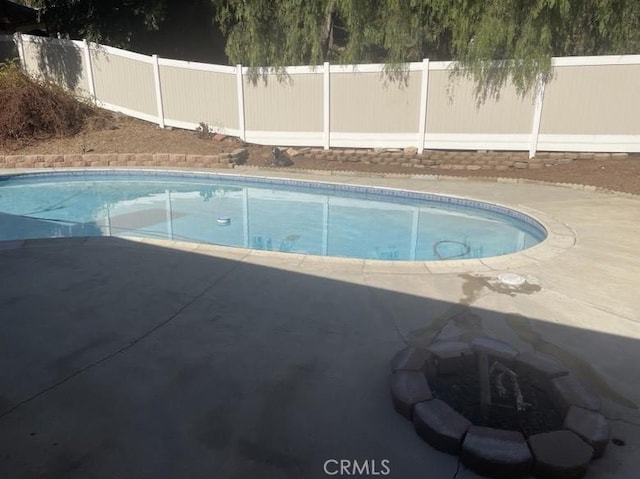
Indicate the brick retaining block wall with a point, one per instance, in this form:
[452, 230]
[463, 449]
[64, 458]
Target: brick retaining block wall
[409, 158]
[450, 160]
[124, 159]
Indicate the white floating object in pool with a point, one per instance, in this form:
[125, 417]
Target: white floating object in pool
[224, 220]
[511, 279]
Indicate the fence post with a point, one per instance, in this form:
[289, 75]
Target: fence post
[537, 118]
[90, 81]
[326, 139]
[156, 78]
[17, 39]
[424, 98]
[240, 86]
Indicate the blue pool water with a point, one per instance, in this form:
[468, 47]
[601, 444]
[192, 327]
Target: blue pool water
[260, 213]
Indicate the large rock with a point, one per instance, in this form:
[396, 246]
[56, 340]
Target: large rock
[410, 150]
[559, 455]
[447, 356]
[279, 158]
[568, 391]
[494, 348]
[239, 156]
[496, 452]
[410, 359]
[440, 425]
[541, 365]
[407, 389]
[591, 426]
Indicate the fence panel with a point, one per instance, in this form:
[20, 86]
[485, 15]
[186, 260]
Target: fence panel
[198, 93]
[59, 60]
[591, 104]
[124, 82]
[368, 107]
[284, 108]
[456, 120]
[593, 107]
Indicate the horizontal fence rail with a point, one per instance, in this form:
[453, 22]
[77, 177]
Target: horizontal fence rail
[590, 104]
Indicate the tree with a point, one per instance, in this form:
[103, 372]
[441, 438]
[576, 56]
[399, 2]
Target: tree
[181, 29]
[294, 32]
[493, 40]
[114, 22]
[516, 39]
[272, 32]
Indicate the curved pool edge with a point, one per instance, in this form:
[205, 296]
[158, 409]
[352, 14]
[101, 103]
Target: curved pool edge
[559, 236]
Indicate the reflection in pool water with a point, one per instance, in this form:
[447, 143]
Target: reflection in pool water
[292, 218]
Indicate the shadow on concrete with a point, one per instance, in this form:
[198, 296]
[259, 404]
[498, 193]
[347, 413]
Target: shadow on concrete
[125, 359]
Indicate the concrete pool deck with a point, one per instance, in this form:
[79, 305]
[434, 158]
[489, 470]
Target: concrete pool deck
[138, 358]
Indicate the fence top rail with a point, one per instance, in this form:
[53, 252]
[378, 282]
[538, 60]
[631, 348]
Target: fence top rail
[208, 67]
[314, 69]
[60, 41]
[290, 70]
[374, 67]
[95, 47]
[596, 60]
[565, 61]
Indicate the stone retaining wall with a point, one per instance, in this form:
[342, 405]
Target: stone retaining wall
[124, 159]
[450, 160]
[409, 158]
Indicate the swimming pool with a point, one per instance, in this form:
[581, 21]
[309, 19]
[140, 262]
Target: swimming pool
[260, 213]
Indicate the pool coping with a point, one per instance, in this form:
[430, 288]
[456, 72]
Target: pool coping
[560, 237]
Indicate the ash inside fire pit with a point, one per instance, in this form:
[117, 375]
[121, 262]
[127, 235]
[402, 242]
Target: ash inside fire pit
[515, 401]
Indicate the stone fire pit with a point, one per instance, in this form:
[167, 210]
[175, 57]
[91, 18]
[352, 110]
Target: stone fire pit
[507, 414]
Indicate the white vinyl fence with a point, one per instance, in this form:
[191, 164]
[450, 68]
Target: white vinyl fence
[591, 103]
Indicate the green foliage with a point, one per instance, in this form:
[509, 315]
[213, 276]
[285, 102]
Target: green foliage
[516, 39]
[297, 32]
[272, 32]
[494, 41]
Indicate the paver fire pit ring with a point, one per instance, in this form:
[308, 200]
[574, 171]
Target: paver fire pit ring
[562, 453]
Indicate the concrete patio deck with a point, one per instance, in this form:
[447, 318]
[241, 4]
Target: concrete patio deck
[151, 359]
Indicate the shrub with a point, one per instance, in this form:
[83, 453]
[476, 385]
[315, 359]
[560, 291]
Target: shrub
[203, 131]
[33, 110]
